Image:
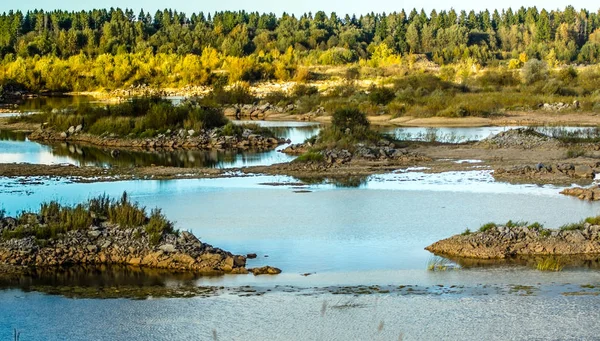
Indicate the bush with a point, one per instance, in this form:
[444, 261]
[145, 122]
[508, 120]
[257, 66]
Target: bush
[301, 90]
[349, 118]
[572, 226]
[593, 220]
[157, 226]
[381, 95]
[310, 157]
[487, 227]
[534, 71]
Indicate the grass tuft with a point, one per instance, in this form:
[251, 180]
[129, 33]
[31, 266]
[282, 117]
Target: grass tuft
[550, 264]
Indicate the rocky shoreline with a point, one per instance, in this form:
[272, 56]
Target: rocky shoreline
[500, 242]
[181, 139]
[589, 193]
[108, 244]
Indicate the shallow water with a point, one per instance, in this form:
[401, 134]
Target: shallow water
[370, 235]
[289, 316]
[382, 225]
[458, 134]
[16, 148]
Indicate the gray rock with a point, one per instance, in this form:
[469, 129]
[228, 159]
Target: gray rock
[170, 248]
[94, 234]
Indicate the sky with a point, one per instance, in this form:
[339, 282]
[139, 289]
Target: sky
[341, 7]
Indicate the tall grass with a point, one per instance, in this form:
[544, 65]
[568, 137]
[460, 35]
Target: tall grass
[54, 219]
[550, 264]
[437, 263]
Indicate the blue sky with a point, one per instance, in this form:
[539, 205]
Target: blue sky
[341, 7]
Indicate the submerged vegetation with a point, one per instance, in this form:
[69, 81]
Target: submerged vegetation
[54, 219]
[437, 263]
[550, 264]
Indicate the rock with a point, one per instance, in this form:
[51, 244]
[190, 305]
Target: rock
[265, 270]
[71, 130]
[92, 248]
[79, 128]
[251, 256]
[94, 234]
[170, 248]
[63, 135]
[191, 132]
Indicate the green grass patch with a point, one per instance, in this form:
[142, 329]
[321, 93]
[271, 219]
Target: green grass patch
[311, 156]
[487, 227]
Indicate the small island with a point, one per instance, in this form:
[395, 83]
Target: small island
[148, 123]
[513, 239]
[104, 231]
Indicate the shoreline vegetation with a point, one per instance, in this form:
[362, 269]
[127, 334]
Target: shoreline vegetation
[104, 231]
[148, 123]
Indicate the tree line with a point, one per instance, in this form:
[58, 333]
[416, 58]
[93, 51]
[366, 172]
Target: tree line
[445, 36]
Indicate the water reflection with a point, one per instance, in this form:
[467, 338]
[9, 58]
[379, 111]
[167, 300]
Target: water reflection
[14, 147]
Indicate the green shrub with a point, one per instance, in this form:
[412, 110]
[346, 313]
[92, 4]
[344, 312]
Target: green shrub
[349, 118]
[487, 227]
[572, 226]
[310, 157]
[157, 226]
[519, 223]
[466, 232]
[575, 152]
[231, 129]
[534, 70]
[381, 95]
[535, 226]
[593, 220]
[302, 90]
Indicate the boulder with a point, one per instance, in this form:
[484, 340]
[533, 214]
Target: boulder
[265, 270]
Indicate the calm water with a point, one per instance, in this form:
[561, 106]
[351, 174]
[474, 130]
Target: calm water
[459, 134]
[383, 225]
[16, 148]
[370, 235]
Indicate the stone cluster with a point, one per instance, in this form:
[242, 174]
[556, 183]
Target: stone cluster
[519, 138]
[540, 170]
[179, 139]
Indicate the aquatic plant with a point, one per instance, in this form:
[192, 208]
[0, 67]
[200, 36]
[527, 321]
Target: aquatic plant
[437, 263]
[550, 264]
